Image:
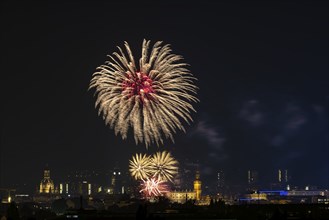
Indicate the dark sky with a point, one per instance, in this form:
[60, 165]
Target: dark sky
[262, 70]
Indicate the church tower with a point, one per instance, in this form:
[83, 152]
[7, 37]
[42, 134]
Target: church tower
[197, 186]
[46, 184]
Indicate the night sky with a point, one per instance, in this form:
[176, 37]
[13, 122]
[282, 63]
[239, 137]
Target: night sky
[262, 70]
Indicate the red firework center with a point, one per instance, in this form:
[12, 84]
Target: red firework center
[139, 84]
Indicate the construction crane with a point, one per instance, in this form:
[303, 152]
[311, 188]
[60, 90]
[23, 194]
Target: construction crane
[8, 191]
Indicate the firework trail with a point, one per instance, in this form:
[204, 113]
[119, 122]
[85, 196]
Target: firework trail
[139, 166]
[151, 97]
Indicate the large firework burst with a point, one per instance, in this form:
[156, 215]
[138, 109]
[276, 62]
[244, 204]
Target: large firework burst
[153, 187]
[151, 97]
[139, 166]
[164, 166]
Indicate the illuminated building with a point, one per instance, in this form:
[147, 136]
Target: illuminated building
[46, 193]
[6, 198]
[76, 188]
[285, 197]
[46, 184]
[197, 186]
[181, 196]
[81, 182]
[185, 195]
[281, 180]
[116, 182]
[257, 196]
[283, 176]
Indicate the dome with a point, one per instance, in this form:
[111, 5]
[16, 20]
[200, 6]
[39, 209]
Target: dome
[46, 184]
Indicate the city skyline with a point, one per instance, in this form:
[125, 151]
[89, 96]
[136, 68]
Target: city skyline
[250, 180]
[262, 71]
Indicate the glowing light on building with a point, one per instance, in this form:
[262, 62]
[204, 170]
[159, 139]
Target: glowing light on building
[283, 176]
[46, 184]
[252, 176]
[197, 186]
[274, 192]
[89, 189]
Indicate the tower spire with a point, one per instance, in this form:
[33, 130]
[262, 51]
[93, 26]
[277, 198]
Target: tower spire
[197, 185]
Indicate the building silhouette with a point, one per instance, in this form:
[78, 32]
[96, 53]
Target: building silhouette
[253, 177]
[117, 182]
[220, 181]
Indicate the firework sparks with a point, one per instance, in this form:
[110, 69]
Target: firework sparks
[151, 98]
[161, 166]
[139, 166]
[153, 187]
[164, 166]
